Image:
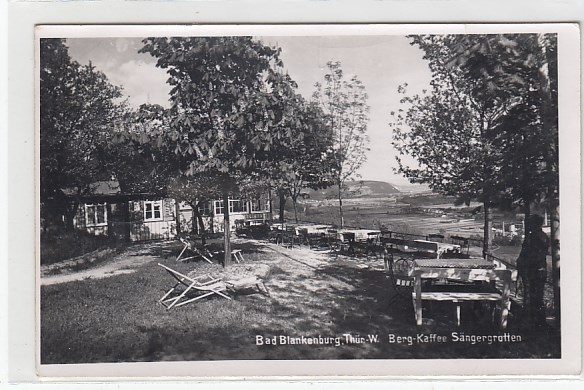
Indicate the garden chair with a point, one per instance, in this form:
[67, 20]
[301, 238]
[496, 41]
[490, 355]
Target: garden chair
[194, 250]
[181, 293]
[398, 273]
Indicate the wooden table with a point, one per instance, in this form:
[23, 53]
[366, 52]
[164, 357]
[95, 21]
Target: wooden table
[462, 270]
[436, 247]
[433, 247]
[312, 229]
[359, 240]
[358, 234]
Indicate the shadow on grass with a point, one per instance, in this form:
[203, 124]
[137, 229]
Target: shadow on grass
[118, 319]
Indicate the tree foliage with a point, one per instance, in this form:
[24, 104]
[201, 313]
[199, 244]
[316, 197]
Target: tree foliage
[532, 172]
[309, 160]
[520, 69]
[472, 134]
[227, 111]
[79, 108]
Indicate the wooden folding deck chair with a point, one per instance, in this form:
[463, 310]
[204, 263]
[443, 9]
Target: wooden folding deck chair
[186, 286]
[197, 253]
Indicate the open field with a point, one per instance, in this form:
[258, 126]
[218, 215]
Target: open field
[373, 213]
[114, 316]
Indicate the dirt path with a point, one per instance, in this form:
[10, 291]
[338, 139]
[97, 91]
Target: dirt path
[298, 259]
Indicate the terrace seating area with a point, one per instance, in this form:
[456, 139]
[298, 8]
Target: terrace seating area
[425, 269]
[453, 276]
[357, 242]
[350, 242]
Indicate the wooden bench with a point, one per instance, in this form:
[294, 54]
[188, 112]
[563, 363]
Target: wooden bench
[458, 297]
[470, 292]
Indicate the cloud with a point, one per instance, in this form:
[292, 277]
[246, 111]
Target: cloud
[142, 82]
[122, 45]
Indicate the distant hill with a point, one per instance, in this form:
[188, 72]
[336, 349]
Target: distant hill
[428, 199]
[413, 188]
[356, 189]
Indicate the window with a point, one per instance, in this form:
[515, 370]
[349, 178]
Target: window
[153, 210]
[255, 205]
[95, 215]
[235, 206]
[204, 208]
[218, 206]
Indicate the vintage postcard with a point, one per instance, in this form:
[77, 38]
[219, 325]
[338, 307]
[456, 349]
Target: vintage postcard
[317, 200]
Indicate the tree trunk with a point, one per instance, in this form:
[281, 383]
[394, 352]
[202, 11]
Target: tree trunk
[70, 216]
[294, 199]
[201, 229]
[177, 212]
[487, 236]
[555, 249]
[549, 118]
[126, 221]
[342, 218]
[282, 204]
[226, 232]
[194, 226]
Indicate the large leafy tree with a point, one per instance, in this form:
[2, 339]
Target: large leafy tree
[529, 136]
[464, 132]
[228, 117]
[344, 102]
[78, 109]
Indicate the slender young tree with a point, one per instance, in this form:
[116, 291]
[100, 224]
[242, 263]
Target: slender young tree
[344, 103]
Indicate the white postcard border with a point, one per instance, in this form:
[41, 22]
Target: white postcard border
[17, 363]
[569, 126]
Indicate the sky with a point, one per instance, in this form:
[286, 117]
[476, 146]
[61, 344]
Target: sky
[380, 62]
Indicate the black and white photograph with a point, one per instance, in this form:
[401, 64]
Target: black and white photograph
[302, 193]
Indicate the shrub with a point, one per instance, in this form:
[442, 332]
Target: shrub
[58, 246]
[507, 241]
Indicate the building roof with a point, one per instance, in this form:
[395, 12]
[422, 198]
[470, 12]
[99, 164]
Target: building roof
[109, 187]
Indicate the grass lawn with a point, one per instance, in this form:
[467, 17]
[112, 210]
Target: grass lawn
[118, 319]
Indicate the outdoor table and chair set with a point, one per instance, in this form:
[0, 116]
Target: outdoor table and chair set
[449, 277]
[352, 242]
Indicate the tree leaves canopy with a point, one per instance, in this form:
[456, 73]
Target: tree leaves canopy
[79, 108]
[229, 113]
